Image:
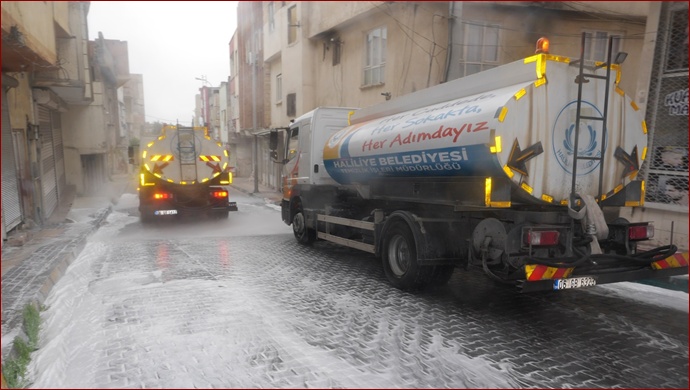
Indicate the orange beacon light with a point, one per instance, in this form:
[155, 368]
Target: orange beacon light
[542, 46]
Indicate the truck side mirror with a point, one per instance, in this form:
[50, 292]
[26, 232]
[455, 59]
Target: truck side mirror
[273, 140]
[274, 155]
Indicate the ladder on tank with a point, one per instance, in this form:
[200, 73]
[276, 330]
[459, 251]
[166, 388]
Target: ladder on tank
[581, 80]
[186, 148]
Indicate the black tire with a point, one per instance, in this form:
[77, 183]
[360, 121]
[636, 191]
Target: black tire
[303, 234]
[399, 255]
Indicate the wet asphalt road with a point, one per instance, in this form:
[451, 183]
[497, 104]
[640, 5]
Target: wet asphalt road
[239, 303]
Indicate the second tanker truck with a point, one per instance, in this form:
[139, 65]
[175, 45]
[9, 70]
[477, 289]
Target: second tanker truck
[519, 170]
[183, 172]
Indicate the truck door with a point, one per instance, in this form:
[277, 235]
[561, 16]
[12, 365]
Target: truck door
[290, 167]
[304, 155]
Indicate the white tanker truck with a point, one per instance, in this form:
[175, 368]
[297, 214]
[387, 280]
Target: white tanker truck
[519, 170]
[184, 173]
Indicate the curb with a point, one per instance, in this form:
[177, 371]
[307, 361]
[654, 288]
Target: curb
[255, 194]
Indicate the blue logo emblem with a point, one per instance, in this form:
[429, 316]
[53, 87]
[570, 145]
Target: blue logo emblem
[563, 139]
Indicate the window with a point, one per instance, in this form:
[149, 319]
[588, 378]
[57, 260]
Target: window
[597, 43]
[375, 57]
[293, 143]
[279, 88]
[271, 17]
[292, 24]
[480, 49]
[291, 104]
[234, 59]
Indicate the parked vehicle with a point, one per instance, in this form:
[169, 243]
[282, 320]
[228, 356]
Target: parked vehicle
[184, 172]
[520, 170]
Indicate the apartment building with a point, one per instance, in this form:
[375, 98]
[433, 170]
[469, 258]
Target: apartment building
[65, 117]
[249, 83]
[134, 106]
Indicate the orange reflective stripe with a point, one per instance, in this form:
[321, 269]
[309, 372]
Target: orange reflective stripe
[676, 260]
[560, 273]
[682, 259]
[535, 272]
[549, 273]
[672, 262]
[661, 264]
[159, 157]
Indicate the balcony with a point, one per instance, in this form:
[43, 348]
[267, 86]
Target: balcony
[57, 58]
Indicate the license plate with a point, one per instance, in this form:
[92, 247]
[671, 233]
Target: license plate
[584, 281]
[165, 212]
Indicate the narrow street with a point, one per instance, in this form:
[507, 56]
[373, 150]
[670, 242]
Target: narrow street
[478, 194]
[238, 303]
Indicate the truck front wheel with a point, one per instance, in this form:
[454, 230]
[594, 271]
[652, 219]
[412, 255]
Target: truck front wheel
[400, 257]
[303, 234]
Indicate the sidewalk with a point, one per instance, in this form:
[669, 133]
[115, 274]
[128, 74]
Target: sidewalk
[34, 259]
[247, 185]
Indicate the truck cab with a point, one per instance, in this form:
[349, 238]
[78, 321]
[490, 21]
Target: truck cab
[306, 136]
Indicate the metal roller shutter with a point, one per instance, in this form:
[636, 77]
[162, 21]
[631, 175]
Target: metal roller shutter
[59, 153]
[48, 176]
[11, 202]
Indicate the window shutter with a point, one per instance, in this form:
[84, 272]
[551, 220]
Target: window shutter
[291, 104]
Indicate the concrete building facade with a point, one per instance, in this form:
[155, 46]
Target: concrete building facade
[43, 71]
[241, 144]
[249, 79]
[65, 112]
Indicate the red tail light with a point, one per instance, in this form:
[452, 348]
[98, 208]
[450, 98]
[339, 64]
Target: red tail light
[219, 194]
[162, 195]
[542, 238]
[640, 232]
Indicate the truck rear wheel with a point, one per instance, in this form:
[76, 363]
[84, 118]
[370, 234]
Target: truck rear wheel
[303, 234]
[400, 257]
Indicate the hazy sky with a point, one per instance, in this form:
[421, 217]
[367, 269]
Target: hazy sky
[171, 44]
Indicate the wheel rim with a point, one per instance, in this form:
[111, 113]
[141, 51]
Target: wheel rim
[399, 255]
[298, 225]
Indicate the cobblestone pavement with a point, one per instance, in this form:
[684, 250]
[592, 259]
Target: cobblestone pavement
[267, 312]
